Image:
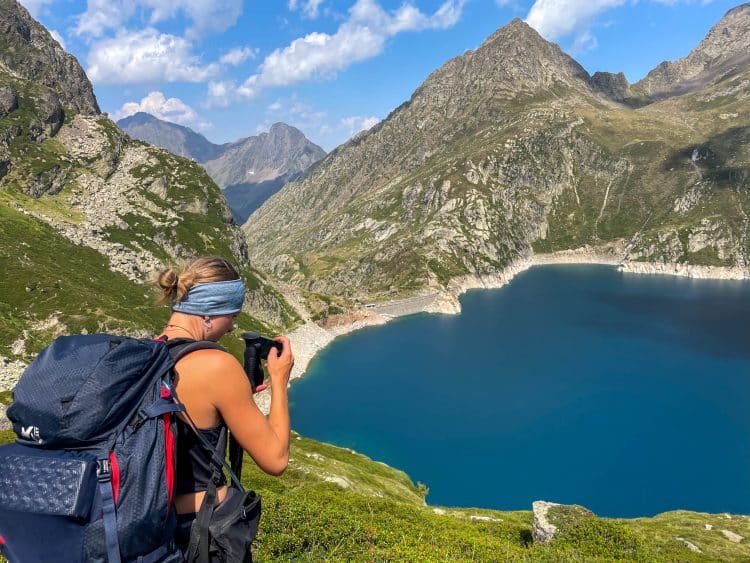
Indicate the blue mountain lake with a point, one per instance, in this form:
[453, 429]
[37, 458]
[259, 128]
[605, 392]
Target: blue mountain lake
[628, 394]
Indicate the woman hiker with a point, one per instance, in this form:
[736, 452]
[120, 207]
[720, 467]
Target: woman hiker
[207, 295]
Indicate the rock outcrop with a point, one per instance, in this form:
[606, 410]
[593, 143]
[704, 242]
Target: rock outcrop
[31, 53]
[723, 52]
[551, 518]
[615, 86]
[250, 170]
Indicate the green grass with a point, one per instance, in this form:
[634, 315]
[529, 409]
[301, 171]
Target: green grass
[79, 291]
[380, 515]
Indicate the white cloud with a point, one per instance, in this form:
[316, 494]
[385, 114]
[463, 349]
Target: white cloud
[168, 109]
[585, 41]
[355, 124]
[207, 16]
[555, 19]
[103, 15]
[310, 8]
[146, 56]
[35, 6]
[57, 37]
[295, 112]
[361, 37]
[558, 18]
[221, 93]
[237, 56]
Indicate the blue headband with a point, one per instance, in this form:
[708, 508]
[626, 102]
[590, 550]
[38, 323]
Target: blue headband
[213, 298]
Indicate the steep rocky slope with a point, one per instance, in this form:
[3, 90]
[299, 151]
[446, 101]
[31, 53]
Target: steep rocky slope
[724, 51]
[87, 215]
[28, 51]
[509, 150]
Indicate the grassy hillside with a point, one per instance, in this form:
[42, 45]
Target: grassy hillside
[333, 504]
[87, 216]
[378, 515]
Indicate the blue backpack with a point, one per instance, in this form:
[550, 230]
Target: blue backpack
[91, 475]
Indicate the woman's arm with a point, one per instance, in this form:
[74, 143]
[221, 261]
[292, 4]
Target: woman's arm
[265, 439]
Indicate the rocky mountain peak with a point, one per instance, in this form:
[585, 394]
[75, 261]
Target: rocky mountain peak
[31, 53]
[284, 150]
[514, 61]
[724, 51]
[615, 86]
[139, 118]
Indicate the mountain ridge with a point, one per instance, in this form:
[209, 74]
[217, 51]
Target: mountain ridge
[29, 52]
[502, 152]
[724, 48]
[249, 169]
[87, 215]
[224, 162]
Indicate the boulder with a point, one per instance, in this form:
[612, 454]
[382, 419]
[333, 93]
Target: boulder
[48, 182]
[542, 530]
[50, 111]
[4, 422]
[732, 536]
[551, 517]
[8, 101]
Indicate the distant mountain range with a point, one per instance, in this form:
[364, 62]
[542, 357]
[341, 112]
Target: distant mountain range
[513, 149]
[249, 170]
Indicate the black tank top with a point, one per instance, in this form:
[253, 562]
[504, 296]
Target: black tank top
[193, 461]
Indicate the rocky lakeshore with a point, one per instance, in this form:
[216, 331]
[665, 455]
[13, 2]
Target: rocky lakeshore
[686, 270]
[308, 339]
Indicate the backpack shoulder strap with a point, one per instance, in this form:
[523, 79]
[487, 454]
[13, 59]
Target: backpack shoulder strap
[181, 347]
[178, 349]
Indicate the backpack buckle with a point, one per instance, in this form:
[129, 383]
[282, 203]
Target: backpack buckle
[103, 471]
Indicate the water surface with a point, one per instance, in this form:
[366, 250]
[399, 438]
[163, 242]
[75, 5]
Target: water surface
[625, 393]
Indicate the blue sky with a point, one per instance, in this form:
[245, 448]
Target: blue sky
[231, 68]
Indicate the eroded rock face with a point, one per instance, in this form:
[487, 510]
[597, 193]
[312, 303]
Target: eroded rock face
[616, 86]
[35, 55]
[726, 47]
[542, 530]
[50, 112]
[49, 182]
[8, 101]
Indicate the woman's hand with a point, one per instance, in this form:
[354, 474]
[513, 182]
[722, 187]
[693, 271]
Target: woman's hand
[280, 366]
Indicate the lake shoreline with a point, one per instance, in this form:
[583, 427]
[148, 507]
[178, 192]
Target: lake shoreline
[309, 339]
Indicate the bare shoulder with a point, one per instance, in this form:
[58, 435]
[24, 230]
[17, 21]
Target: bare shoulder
[208, 366]
[211, 359]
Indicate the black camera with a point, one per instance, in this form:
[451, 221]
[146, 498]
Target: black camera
[257, 348]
